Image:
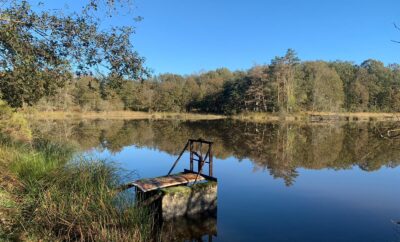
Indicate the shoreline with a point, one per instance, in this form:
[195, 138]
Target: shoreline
[121, 115]
[320, 117]
[313, 117]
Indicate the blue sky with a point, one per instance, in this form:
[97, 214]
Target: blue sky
[188, 36]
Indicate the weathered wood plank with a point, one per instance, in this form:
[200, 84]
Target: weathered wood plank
[151, 184]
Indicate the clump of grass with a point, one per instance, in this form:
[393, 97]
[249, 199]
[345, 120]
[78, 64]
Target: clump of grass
[58, 200]
[31, 163]
[5, 200]
[77, 202]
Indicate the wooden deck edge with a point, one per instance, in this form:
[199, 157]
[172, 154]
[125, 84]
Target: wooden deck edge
[138, 183]
[134, 184]
[205, 176]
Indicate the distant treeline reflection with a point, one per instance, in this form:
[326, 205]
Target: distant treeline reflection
[280, 148]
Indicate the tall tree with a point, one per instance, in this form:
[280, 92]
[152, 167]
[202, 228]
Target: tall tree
[283, 72]
[259, 96]
[170, 93]
[232, 98]
[348, 74]
[327, 87]
[87, 94]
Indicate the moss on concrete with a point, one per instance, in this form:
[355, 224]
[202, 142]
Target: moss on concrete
[204, 185]
[176, 190]
[188, 189]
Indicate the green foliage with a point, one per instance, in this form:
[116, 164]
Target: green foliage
[323, 87]
[232, 100]
[286, 85]
[170, 93]
[39, 48]
[347, 72]
[87, 94]
[283, 74]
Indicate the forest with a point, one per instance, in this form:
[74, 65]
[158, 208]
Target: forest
[285, 85]
[51, 60]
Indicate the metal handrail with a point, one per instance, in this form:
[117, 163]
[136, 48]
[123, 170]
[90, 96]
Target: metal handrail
[200, 159]
[179, 157]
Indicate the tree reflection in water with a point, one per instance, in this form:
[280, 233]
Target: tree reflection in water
[280, 148]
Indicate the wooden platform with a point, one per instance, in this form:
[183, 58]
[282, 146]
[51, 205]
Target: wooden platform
[151, 184]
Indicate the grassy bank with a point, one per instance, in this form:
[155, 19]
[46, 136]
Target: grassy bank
[44, 196]
[319, 117]
[121, 115]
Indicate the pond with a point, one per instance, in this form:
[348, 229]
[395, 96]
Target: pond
[276, 181]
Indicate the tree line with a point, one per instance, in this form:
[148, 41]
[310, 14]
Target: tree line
[285, 85]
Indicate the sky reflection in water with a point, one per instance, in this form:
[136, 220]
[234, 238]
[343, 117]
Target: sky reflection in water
[322, 205]
[317, 185]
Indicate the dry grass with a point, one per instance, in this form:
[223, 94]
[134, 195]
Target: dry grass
[10, 199]
[326, 116]
[250, 116]
[122, 115]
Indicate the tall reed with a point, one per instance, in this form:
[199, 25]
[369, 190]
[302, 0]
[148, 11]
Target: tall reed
[78, 202]
[62, 200]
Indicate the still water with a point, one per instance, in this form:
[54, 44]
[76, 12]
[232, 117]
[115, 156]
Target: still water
[276, 181]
